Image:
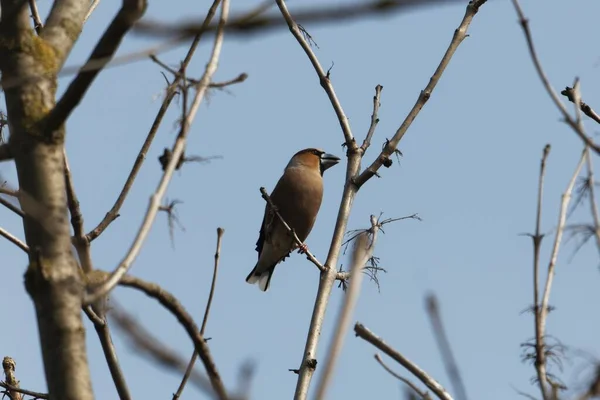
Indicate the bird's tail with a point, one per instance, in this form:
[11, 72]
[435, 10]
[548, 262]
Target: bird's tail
[263, 278]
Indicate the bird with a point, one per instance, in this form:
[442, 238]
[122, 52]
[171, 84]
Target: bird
[297, 197]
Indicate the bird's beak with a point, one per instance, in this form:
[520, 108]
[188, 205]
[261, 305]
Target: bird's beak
[328, 161]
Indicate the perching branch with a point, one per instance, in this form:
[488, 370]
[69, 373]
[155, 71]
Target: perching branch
[364, 333]
[459, 35]
[11, 238]
[364, 246]
[178, 148]
[190, 366]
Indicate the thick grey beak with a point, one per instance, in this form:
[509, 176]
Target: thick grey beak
[328, 161]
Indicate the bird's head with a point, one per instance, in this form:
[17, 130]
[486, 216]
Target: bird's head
[315, 159]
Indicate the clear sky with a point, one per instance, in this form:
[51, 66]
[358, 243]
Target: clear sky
[469, 169]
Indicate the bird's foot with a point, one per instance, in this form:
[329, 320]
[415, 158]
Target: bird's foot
[302, 249]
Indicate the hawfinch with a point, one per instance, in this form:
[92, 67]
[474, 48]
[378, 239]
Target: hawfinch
[297, 196]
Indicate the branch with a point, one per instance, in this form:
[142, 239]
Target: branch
[459, 35]
[593, 205]
[131, 11]
[540, 361]
[178, 148]
[445, 348]
[587, 110]
[190, 366]
[323, 77]
[415, 388]
[171, 92]
[364, 333]
[363, 251]
[551, 92]
[144, 340]
[12, 207]
[245, 25]
[14, 240]
[82, 245]
[169, 301]
[374, 118]
[562, 218]
[35, 15]
[299, 242]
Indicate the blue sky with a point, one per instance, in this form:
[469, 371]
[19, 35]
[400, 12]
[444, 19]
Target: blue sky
[469, 169]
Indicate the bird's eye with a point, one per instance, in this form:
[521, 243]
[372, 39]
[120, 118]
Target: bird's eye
[317, 153]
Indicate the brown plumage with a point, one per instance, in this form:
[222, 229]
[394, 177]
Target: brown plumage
[297, 196]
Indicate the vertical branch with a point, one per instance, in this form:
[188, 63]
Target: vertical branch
[363, 251]
[433, 310]
[593, 205]
[540, 336]
[192, 361]
[9, 365]
[540, 360]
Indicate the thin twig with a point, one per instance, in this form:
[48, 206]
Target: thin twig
[323, 77]
[171, 92]
[91, 10]
[131, 11]
[112, 360]
[12, 207]
[82, 245]
[190, 365]
[540, 360]
[374, 118]
[364, 333]
[14, 240]
[363, 251]
[592, 191]
[153, 347]
[171, 303]
[415, 388]
[35, 15]
[445, 349]
[178, 148]
[551, 92]
[35, 395]
[390, 148]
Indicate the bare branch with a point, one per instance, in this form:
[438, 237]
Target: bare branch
[587, 110]
[323, 77]
[171, 92]
[144, 340]
[551, 92]
[364, 333]
[190, 366]
[12, 207]
[543, 309]
[537, 243]
[374, 118]
[415, 388]
[445, 348]
[82, 245]
[459, 35]
[363, 251]
[14, 240]
[592, 192]
[35, 15]
[131, 11]
[178, 149]
[169, 301]
[91, 10]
